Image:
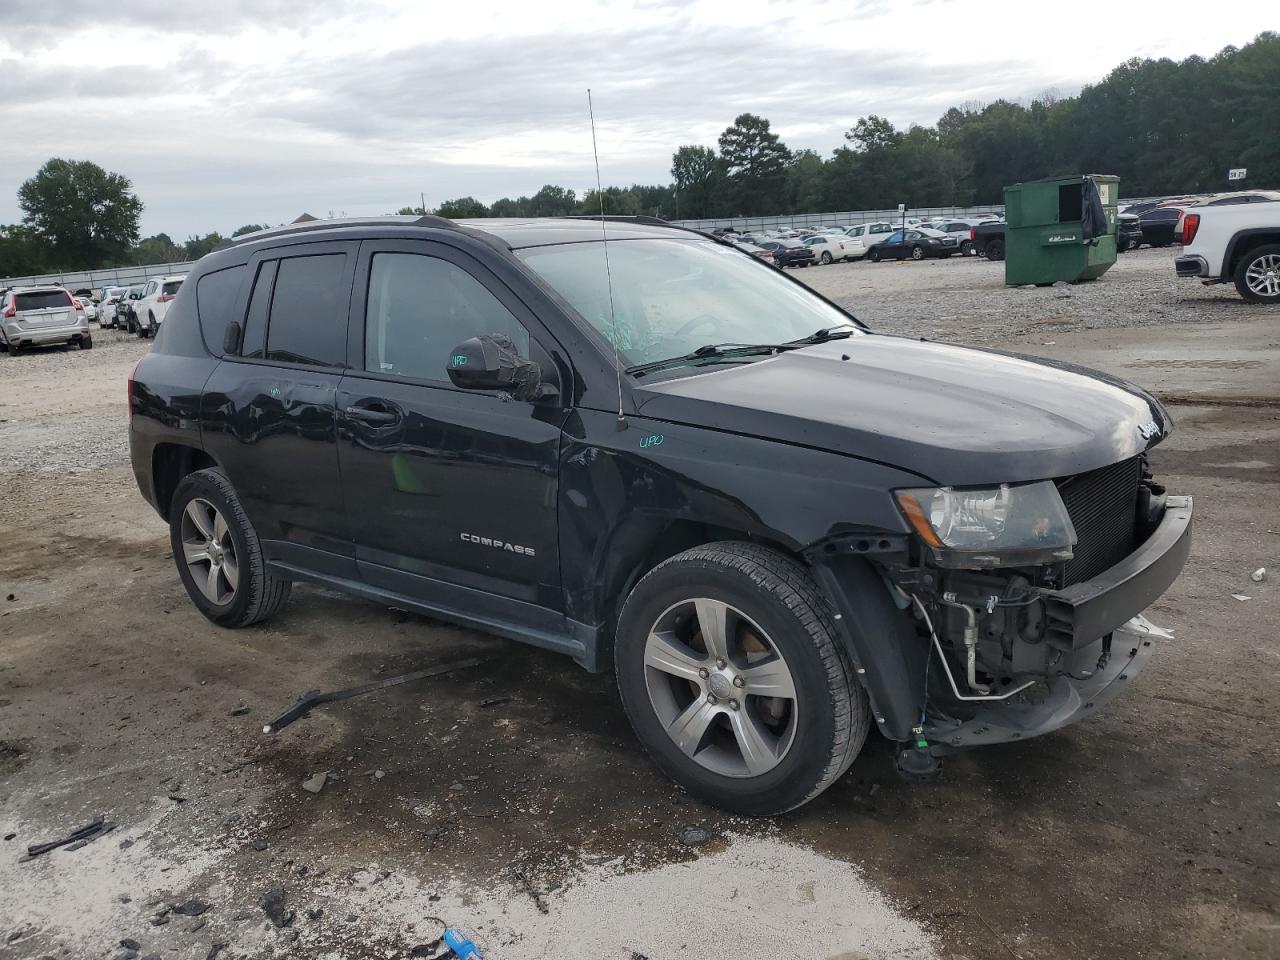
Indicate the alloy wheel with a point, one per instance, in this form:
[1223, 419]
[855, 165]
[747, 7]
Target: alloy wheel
[720, 688]
[1262, 276]
[209, 552]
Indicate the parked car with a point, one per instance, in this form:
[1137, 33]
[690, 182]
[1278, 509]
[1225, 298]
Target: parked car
[788, 253]
[917, 244]
[125, 315]
[111, 297]
[867, 235]
[760, 253]
[769, 555]
[1244, 196]
[1158, 225]
[40, 317]
[960, 230]
[828, 248]
[1128, 232]
[150, 308]
[1237, 243]
[988, 239]
[86, 306]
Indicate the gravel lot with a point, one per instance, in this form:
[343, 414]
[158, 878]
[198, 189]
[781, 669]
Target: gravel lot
[1150, 831]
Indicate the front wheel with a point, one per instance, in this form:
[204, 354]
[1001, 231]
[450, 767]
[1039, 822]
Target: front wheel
[731, 673]
[1257, 275]
[873, 255]
[218, 554]
[826, 256]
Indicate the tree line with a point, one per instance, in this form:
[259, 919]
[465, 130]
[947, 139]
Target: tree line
[1164, 127]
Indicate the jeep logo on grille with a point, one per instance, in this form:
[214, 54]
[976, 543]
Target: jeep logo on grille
[1148, 430]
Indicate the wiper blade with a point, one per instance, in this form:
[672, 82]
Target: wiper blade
[823, 335]
[707, 352]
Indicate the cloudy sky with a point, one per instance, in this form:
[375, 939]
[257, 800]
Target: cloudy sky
[225, 112]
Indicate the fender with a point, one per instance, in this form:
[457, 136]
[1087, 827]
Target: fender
[1228, 256]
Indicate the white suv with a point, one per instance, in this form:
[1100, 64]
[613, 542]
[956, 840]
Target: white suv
[1238, 242]
[151, 307]
[40, 317]
[866, 235]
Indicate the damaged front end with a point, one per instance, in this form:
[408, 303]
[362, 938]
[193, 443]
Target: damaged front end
[1015, 611]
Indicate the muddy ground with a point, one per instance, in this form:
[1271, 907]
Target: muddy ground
[1149, 831]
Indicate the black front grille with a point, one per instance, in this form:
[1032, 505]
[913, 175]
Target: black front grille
[1103, 506]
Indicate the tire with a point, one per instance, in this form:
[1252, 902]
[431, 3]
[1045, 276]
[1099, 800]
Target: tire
[256, 593]
[917, 253]
[966, 248]
[995, 250]
[86, 343]
[1257, 275]
[873, 255]
[826, 257]
[772, 604]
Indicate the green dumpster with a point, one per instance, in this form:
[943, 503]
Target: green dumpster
[1060, 228]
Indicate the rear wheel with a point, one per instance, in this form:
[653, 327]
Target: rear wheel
[917, 253]
[732, 675]
[995, 250]
[874, 254]
[218, 554]
[86, 343]
[966, 248]
[1257, 275]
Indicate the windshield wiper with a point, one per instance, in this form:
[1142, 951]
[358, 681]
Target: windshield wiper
[823, 335]
[707, 352]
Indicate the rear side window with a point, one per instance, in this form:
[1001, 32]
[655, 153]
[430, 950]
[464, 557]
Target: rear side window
[216, 300]
[42, 300]
[308, 320]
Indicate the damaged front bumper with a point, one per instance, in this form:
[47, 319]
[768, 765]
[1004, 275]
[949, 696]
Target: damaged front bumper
[1089, 682]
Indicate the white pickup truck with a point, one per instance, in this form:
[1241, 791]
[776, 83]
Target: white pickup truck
[1238, 242]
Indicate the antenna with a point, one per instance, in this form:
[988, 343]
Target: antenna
[604, 232]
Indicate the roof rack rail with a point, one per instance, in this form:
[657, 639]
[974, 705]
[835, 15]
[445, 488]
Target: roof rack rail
[624, 218]
[307, 226]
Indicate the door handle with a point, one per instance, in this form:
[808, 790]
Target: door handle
[377, 414]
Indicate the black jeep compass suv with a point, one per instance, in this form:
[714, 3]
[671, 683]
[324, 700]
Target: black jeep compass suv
[659, 456]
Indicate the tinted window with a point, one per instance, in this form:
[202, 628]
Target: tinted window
[217, 303]
[172, 287]
[42, 300]
[308, 321]
[254, 341]
[420, 308]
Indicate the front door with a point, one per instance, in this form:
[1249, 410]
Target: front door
[445, 487]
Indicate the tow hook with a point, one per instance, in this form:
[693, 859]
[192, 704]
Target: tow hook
[971, 638]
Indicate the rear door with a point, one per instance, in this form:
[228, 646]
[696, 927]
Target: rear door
[446, 488]
[269, 410]
[44, 308]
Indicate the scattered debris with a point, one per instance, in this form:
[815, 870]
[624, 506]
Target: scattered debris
[126, 955]
[315, 913]
[313, 698]
[1240, 596]
[240, 711]
[493, 702]
[259, 844]
[538, 902]
[130, 944]
[1258, 575]
[379, 774]
[462, 948]
[191, 908]
[315, 784]
[272, 903]
[214, 950]
[198, 925]
[10, 836]
[86, 833]
[125, 845]
[694, 836]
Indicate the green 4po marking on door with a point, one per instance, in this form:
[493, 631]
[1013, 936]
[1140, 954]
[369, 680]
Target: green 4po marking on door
[651, 441]
[458, 360]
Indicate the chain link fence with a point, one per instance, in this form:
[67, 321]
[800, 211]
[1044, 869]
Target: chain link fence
[846, 218]
[97, 279]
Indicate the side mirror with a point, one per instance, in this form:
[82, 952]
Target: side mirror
[492, 363]
[231, 338]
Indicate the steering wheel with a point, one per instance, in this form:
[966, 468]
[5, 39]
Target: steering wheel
[702, 320]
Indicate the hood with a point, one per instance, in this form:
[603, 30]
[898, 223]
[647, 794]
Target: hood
[953, 415]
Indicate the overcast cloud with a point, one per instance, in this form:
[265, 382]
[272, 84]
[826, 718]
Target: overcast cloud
[225, 112]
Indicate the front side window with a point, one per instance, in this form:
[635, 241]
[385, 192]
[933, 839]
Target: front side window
[671, 297]
[308, 320]
[420, 308]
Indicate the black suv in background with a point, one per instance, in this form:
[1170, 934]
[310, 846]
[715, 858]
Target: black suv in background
[775, 526]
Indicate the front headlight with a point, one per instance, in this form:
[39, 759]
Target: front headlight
[991, 526]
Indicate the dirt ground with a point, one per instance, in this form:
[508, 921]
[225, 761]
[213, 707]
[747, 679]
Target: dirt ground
[491, 795]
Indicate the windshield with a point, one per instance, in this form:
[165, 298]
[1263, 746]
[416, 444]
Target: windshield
[671, 297]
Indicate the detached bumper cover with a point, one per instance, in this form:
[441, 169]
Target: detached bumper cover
[1067, 700]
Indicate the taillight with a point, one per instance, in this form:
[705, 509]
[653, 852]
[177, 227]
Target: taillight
[973, 233]
[77, 304]
[11, 310]
[165, 297]
[1190, 224]
[133, 371]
